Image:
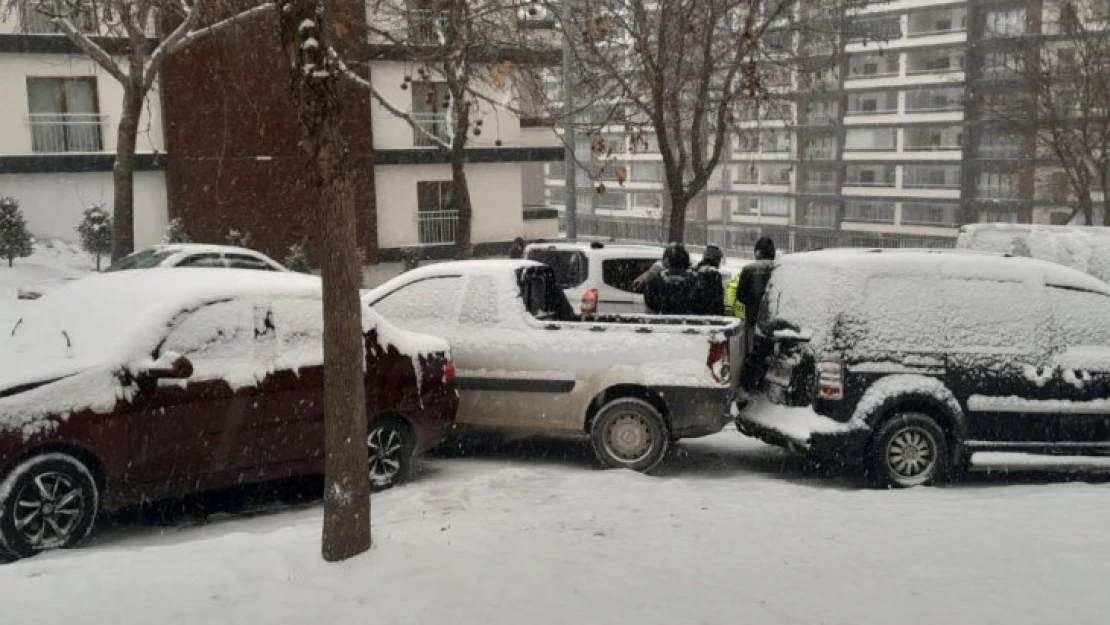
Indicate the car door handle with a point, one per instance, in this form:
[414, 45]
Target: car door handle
[553, 326]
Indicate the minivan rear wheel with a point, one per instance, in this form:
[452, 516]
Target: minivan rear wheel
[908, 450]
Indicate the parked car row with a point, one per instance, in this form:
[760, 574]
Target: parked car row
[139, 385]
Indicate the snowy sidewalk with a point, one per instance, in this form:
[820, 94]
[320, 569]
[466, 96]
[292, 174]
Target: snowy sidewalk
[730, 532]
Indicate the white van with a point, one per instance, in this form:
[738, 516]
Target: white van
[597, 277]
[1086, 248]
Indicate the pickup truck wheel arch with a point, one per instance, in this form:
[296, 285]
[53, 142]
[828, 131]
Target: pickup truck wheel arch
[631, 391]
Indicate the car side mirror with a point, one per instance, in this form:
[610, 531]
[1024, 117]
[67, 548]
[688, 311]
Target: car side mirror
[169, 367]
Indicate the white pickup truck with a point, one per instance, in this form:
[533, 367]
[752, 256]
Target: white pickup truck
[527, 363]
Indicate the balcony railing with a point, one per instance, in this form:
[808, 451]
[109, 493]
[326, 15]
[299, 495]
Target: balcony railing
[931, 184]
[434, 124]
[66, 132]
[437, 227]
[819, 187]
[998, 191]
[428, 27]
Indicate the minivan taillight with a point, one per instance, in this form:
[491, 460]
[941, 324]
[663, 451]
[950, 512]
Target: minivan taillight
[589, 302]
[717, 361]
[449, 373]
[830, 380]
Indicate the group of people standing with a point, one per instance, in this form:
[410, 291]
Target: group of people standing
[673, 287]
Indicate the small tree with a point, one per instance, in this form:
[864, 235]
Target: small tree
[95, 231]
[175, 232]
[238, 238]
[15, 239]
[297, 259]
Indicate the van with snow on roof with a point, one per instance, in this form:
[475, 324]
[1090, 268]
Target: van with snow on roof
[906, 363]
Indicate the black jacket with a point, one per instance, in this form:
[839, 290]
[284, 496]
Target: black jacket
[753, 283]
[672, 292]
[709, 298]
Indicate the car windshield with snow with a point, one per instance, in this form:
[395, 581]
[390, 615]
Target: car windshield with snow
[529, 363]
[906, 363]
[130, 387]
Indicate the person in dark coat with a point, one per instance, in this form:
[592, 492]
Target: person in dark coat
[749, 293]
[672, 291]
[710, 296]
[517, 249]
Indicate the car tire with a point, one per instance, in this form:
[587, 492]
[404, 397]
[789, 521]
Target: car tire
[391, 447]
[47, 502]
[909, 450]
[629, 433]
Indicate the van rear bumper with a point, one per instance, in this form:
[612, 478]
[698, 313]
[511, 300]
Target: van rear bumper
[696, 411]
[843, 443]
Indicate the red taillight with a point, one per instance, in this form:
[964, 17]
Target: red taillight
[589, 302]
[830, 380]
[718, 360]
[449, 373]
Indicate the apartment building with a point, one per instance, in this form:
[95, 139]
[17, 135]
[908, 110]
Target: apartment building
[58, 119]
[218, 146]
[889, 143]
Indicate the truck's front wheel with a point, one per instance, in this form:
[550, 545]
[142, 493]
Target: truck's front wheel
[629, 433]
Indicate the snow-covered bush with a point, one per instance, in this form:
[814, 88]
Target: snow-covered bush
[175, 232]
[15, 239]
[238, 238]
[95, 231]
[297, 259]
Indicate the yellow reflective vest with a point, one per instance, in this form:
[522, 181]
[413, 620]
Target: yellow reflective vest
[732, 305]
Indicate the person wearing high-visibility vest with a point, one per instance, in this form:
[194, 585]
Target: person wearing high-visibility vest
[742, 298]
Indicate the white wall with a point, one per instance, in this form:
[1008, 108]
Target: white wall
[391, 132]
[53, 203]
[15, 135]
[495, 193]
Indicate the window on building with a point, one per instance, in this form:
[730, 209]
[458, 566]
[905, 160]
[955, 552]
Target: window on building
[822, 146]
[557, 196]
[646, 172]
[874, 65]
[997, 217]
[870, 139]
[819, 180]
[999, 185]
[774, 174]
[871, 175]
[36, 16]
[936, 99]
[818, 215]
[934, 137]
[1008, 23]
[931, 176]
[437, 217]
[869, 211]
[872, 102]
[929, 214]
[774, 206]
[994, 143]
[875, 29]
[747, 173]
[429, 110]
[64, 115]
[611, 200]
[1001, 64]
[775, 141]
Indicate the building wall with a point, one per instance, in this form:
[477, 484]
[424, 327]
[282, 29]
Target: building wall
[53, 202]
[495, 194]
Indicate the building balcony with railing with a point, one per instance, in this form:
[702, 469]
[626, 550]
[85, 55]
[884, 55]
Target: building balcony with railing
[937, 22]
[36, 17]
[934, 61]
[56, 133]
[430, 127]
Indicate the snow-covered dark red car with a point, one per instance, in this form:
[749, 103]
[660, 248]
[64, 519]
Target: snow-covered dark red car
[137, 386]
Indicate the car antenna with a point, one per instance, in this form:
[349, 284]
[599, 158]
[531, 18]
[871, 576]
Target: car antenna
[16, 326]
[69, 344]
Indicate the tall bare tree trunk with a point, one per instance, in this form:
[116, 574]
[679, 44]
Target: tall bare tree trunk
[676, 217]
[463, 247]
[306, 35]
[123, 174]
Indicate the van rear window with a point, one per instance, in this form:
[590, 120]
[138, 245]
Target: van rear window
[620, 273]
[571, 268]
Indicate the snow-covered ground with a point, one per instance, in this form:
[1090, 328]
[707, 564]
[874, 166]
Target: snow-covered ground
[52, 263]
[728, 531]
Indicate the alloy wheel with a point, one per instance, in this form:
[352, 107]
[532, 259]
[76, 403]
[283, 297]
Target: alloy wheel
[48, 510]
[911, 455]
[387, 448]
